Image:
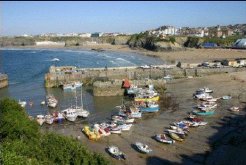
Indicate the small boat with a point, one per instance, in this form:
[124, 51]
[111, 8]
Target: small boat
[146, 98]
[78, 84]
[164, 139]
[168, 77]
[177, 131]
[150, 107]
[116, 153]
[49, 119]
[91, 133]
[58, 117]
[70, 114]
[42, 103]
[68, 87]
[234, 109]
[125, 127]
[51, 101]
[203, 113]
[22, 103]
[115, 130]
[103, 131]
[40, 119]
[226, 97]
[175, 137]
[143, 147]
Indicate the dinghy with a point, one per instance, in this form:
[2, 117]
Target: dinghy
[143, 147]
[164, 139]
[40, 119]
[175, 137]
[116, 153]
[203, 113]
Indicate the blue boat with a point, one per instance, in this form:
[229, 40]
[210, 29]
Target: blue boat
[203, 113]
[149, 109]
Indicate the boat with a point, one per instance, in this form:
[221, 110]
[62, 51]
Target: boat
[168, 77]
[146, 98]
[205, 89]
[132, 90]
[58, 117]
[103, 131]
[55, 59]
[22, 103]
[70, 114]
[203, 113]
[49, 119]
[177, 131]
[40, 119]
[164, 139]
[125, 127]
[68, 87]
[150, 107]
[115, 130]
[234, 109]
[174, 136]
[51, 101]
[78, 84]
[143, 147]
[91, 133]
[42, 103]
[226, 97]
[116, 153]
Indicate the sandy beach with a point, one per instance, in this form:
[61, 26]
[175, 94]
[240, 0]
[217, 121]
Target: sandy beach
[197, 145]
[188, 55]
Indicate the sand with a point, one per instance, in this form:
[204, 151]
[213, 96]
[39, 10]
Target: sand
[197, 144]
[188, 56]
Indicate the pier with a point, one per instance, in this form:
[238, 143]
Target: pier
[3, 80]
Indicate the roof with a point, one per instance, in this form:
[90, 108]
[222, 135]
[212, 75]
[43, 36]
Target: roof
[240, 43]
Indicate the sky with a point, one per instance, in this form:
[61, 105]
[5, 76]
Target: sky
[17, 18]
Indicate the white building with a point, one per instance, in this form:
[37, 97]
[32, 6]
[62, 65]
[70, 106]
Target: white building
[50, 43]
[85, 35]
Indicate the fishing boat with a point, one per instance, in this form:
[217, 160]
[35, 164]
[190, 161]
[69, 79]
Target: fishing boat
[103, 131]
[177, 131]
[125, 127]
[164, 139]
[144, 148]
[174, 136]
[116, 153]
[150, 107]
[115, 130]
[132, 90]
[40, 119]
[203, 113]
[91, 133]
[55, 59]
[51, 101]
[70, 114]
[146, 98]
[22, 103]
[49, 119]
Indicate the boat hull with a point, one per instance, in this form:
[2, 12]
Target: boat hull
[149, 109]
[156, 98]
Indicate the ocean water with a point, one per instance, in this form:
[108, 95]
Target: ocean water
[26, 69]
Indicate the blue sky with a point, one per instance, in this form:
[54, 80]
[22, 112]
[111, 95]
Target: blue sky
[18, 18]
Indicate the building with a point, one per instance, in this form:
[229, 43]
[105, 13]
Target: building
[85, 35]
[50, 43]
[164, 31]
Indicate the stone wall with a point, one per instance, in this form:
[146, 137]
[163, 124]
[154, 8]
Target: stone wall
[3, 80]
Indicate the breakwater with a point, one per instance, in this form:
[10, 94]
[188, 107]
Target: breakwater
[3, 80]
[58, 76]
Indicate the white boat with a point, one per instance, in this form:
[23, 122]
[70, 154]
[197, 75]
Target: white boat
[78, 84]
[22, 103]
[164, 139]
[51, 101]
[205, 89]
[125, 127]
[58, 117]
[115, 130]
[234, 109]
[42, 103]
[102, 130]
[143, 147]
[226, 97]
[177, 131]
[69, 87]
[49, 119]
[81, 111]
[70, 114]
[116, 153]
[40, 119]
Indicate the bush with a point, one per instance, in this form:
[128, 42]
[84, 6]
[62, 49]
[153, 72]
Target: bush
[22, 143]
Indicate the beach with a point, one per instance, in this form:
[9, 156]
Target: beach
[188, 55]
[197, 145]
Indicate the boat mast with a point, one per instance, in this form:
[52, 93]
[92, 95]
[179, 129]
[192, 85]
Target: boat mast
[81, 98]
[75, 99]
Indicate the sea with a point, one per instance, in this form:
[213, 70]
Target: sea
[26, 69]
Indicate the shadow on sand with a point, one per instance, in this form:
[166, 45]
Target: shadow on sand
[228, 144]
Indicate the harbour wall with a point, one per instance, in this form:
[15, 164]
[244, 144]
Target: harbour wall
[58, 76]
[3, 80]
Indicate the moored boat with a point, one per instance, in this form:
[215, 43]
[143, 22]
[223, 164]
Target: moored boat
[164, 139]
[116, 153]
[174, 136]
[203, 113]
[40, 119]
[49, 119]
[91, 133]
[144, 148]
[70, 114]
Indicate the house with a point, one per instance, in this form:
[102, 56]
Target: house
[233, 63]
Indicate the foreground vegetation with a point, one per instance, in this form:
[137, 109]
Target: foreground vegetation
[22, 143]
